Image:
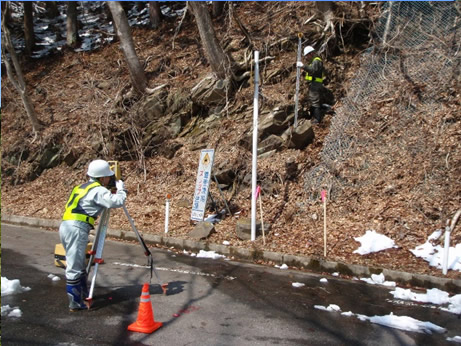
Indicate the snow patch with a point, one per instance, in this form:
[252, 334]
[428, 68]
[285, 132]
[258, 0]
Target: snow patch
[12, 287]
[373, 242]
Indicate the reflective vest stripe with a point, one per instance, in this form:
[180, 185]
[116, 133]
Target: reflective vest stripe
[73, 210]
[316, 79]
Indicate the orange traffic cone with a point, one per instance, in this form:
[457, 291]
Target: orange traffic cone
[145, 322]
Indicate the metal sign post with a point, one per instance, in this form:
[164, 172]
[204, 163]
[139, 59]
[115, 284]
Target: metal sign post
[202, 184]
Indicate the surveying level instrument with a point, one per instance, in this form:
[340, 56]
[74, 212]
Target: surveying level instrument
[98, 244]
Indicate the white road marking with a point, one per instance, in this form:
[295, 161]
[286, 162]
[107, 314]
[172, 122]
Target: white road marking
[182, 271]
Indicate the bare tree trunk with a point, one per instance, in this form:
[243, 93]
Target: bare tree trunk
[138, 78]
[28, 28]
[71, 25]
[51, 9]
[327, 8]
[18, 80]
[219, 61]
[6, 13]
[217, 8]
[155, 14]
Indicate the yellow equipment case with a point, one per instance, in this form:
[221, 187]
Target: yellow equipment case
[60, 255]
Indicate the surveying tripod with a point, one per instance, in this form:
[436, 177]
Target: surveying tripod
[98, 244]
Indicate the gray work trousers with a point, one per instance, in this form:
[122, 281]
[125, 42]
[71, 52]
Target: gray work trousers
[74, 238]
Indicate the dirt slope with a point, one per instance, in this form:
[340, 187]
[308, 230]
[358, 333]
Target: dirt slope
[74, 96]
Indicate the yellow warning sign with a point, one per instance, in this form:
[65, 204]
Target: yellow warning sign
[206, 160]
[202, 184]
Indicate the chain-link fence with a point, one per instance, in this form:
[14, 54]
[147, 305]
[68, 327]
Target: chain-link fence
[417, 49]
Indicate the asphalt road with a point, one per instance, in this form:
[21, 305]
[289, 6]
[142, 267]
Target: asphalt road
[209, 302]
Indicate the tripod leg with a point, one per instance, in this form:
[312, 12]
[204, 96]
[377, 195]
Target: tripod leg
[146, 250]
[102, 228]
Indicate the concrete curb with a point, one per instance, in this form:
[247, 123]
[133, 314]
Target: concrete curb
[302, 262]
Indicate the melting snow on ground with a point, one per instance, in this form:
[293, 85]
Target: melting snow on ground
[434, 254]
[12, 287]
[297, 284]
[54, 277]
[378, 279]
[404, 323]
[373, 242]
[283, 266]
[391, 320]
[432, 296]
[209, 254]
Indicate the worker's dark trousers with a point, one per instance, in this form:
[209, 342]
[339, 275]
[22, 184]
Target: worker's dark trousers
[316, 113]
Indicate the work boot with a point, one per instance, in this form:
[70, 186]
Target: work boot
[317, 114]
[74, 293]
[310, 113]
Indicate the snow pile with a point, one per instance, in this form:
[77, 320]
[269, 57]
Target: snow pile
[455, 339]
[54, 277]
[297, 284]
[283, 266]
[331, 307]
[12, 287]
[404, 323]
[432, 296]
[11, 312]
[209, 254]
[373, 242]
[391, 320]
[434, 254]
[378, 280]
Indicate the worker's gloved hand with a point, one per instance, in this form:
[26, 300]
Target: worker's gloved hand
[299, 64]
[120, 185]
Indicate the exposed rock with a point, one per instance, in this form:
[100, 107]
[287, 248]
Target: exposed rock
[70, 158]
[302, 135]
[225, 174]
[202, 230]
[243, 228]
[168, 149]
[273, 142]
[210, 91]
[291, 169]
[154, 107]
[50, 158]
[274, 122]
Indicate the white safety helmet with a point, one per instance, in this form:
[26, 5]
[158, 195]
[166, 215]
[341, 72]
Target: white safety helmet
[308, 49]
[99, 169]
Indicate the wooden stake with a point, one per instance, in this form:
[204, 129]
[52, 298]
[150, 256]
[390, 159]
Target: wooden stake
[262, 221]
[259, 195]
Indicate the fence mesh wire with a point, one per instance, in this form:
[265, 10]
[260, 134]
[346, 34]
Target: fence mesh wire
[416, 44]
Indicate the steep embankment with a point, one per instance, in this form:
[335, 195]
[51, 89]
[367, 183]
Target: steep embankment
[77, 94]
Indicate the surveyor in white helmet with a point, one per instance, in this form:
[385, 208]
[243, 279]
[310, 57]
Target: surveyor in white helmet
[85, 204]
[315, 76]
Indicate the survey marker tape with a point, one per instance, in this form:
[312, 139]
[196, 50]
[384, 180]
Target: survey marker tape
[182, 271]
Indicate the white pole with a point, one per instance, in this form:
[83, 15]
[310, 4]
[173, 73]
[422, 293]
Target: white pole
[255, 149]
[167, 212]
[298, 75]
[446, 251]
[324, 200]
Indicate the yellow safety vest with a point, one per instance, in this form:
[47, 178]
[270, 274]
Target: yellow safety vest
[316, 79]
[73, 209]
